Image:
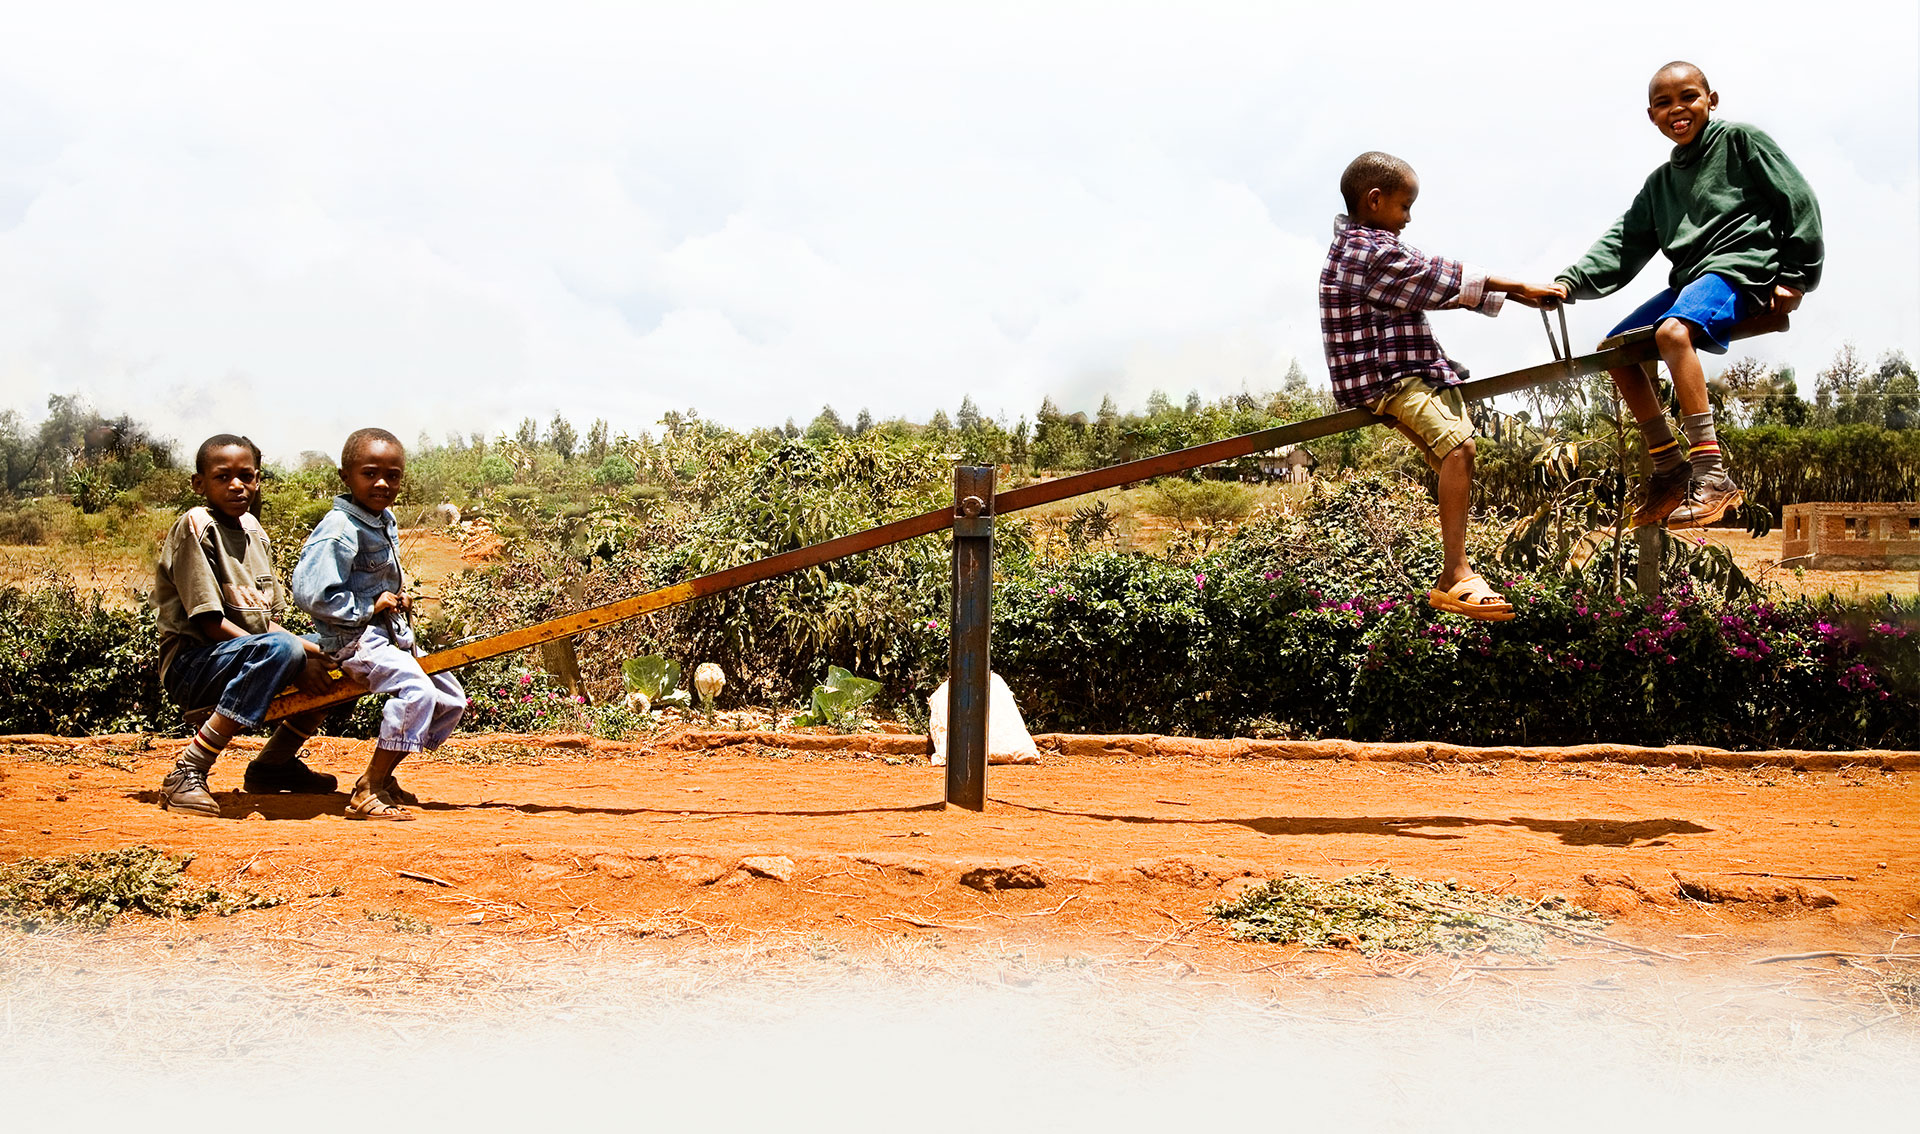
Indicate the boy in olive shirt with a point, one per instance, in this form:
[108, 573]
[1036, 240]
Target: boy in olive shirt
[1742, 229]
[217, 599]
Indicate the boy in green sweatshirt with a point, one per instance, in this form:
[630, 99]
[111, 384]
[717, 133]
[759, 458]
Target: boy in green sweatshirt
[1742, 230]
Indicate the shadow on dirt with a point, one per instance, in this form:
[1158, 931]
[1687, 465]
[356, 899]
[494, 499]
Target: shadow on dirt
[237, 805]
[1572, 832]
[575, 809]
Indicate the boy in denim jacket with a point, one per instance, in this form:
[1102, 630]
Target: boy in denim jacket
[349, 578]
[221, 642]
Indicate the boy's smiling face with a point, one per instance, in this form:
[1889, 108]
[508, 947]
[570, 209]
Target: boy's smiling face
[1679, 102]
[1391, 209]
[373, 473]
[229, 481]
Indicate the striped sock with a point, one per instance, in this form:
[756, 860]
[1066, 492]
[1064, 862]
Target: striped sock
[1662, 445]
[204, 748]
[1703, 445]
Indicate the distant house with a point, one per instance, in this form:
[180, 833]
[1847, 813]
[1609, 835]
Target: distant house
[1825, 535]
[1290, 464]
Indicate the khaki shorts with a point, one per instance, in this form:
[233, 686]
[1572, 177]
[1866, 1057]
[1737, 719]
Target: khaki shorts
[1436, 417]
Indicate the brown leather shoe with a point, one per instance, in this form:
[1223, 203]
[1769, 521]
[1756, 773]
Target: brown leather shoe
[1662, 493]
[185, 789]
[1707, 501]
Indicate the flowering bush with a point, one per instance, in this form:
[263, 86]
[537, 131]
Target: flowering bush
[1328, 633]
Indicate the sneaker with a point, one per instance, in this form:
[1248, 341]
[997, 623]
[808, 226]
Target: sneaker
[185, 789]
[287, 776]
[1662, 493]
[1707, 500]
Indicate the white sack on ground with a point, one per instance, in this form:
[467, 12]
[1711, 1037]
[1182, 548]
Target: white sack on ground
[1008, 741]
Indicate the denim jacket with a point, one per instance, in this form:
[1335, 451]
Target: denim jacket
[351, 557]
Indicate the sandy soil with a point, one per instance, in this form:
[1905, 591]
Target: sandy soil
[1106, 852]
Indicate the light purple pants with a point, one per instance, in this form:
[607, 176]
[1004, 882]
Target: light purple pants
[423, 710]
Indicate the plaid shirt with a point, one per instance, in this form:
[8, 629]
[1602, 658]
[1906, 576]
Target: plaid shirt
[1374, 296]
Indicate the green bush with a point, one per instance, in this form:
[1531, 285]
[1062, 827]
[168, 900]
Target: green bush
[71, 665]
[1204, 501]
[1270, 631]
[614, 470]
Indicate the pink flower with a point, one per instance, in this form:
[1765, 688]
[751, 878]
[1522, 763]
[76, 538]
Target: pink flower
[526, 679]
[1200, 580]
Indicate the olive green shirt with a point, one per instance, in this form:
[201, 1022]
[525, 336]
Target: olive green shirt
[207, 566]
[1729, 203]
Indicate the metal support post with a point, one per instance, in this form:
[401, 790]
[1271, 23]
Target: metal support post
[967, 658]
[1649, 539]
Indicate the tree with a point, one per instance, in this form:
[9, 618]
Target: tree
[1158, 404]
[1194, 404]
[1295, 384]
[597, 440]
[1104, 446]
[528, 435]
[969, 415]
[863, 421]
[827, 425]
[561, 438]
[1900, 389]
[938, 425]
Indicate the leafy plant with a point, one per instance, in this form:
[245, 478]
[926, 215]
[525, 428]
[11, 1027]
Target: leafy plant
[70, 664]
[837, 700]
[1378, 911]
[657, 677]
[93, 888]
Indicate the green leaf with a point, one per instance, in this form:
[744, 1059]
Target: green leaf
[835, 699]
[656, 676]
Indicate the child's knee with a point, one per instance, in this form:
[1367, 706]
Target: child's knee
[416, 689]
[1461, 453]
[1673, 335]
[284, 651]
[283, 646]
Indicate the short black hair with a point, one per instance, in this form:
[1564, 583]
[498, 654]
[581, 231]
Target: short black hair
[359, 438]
[221, 441]
[1373, 170]
[1681, 65]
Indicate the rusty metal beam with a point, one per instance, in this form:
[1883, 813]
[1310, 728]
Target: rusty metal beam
[970, 637]
[1633, 349]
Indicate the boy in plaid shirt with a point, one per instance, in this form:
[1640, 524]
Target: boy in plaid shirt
[1374, 296]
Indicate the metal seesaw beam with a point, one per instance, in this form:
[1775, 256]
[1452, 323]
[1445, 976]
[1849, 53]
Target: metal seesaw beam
[1633, 349]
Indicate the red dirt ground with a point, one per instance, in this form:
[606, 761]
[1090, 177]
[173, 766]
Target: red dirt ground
[1109, 846]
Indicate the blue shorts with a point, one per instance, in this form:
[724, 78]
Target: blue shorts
[1709, 304]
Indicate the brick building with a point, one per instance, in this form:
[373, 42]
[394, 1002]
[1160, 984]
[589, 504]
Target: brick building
[1859, 536]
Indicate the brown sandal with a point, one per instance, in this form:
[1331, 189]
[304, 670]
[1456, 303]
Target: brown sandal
[365, 804]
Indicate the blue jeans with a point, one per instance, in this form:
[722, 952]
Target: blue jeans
[240, 676]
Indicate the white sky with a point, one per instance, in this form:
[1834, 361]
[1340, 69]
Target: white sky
[447, 217]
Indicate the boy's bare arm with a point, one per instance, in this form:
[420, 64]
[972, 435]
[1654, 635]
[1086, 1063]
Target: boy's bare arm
[1530, 294]
[215, 626]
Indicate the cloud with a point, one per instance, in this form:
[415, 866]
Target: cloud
[446, 219]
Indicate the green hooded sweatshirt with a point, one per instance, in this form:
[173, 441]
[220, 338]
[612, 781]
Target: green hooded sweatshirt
[1730, 203]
